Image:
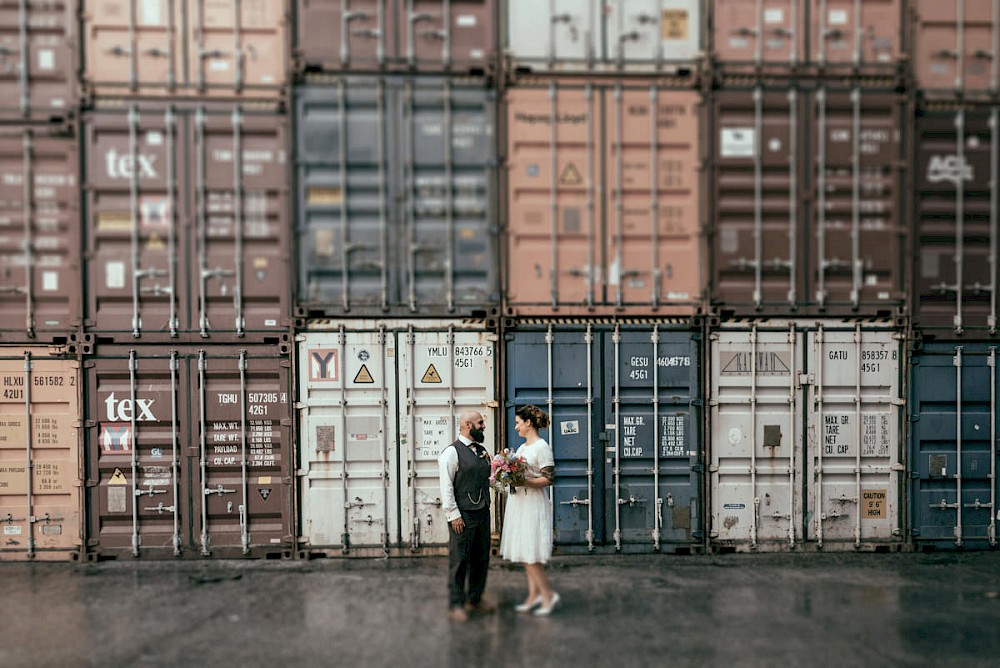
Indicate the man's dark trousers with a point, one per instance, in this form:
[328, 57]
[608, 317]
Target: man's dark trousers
[469, 557]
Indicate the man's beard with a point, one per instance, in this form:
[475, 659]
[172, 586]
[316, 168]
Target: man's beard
[477, 435]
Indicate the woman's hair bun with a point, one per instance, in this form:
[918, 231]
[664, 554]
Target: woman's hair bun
[533, 414]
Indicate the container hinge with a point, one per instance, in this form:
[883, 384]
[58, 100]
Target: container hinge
[713, 468]
[914, 417]
[697, 402]
[603, 436]
[492, 403]
[897, 401]
[492, 338]
[897, 467]
[300, 338]
[698, 534]
[806, 379]
[914, 475]
[698, 468]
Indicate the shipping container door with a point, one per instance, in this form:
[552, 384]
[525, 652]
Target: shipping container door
[766, 32]
[449, 223]
[243, 463]
[954, 442]
[344, 193]
[653, 172]
[559, 370]
[650, 394]
[139, 429]
[756, 417]
[653, 31]
[349, 445]
[456, 34]
[40, 456]
[237, 45]
[846, 32]
[441, 374]
[133, 47]
[953, 42]
[555, 254]
[564, 34]
[38, 60]
[853, 446]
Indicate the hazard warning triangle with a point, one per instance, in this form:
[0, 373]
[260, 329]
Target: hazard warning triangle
[118, 478]
[570, 176]
[431, 375]
[363, 375]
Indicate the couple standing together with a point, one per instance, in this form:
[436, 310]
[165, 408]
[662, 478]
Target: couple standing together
[527, 528]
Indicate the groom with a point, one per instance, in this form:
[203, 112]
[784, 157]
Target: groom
[464, 468]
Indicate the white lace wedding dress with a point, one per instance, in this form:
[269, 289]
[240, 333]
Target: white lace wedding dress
[527, 524]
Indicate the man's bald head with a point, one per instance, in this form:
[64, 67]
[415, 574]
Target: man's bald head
[469, 421]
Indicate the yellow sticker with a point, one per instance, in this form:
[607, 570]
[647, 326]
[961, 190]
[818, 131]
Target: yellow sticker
[260, 262]
[874, 503]
[264, 480]
[431, 375]
[364, 376]
[118, 478]
[324, 196]
[570, 176]
[114, 221]
[155, 242]
[675, 24]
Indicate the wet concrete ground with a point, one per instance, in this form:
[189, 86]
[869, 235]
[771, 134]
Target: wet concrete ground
[727, 610]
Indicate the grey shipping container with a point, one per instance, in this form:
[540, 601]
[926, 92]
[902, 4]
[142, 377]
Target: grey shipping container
[807, 202]
[396, 197]
[954, 442]
[186, 217]
[38, 60]
[957, 235]
[805, 427]
[422, 35]
[41, 298]
[189, 452]
[625, 403]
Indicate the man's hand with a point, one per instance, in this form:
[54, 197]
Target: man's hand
[458, 524]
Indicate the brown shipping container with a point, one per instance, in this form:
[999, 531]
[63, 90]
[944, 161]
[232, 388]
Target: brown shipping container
[189, 452]
[222, 48]
[956, 45]
[187, 218]
[364, 35]
[38, 59]
[40, 293]
[957, 236]
[851, 35]
[806, 202]
[604, 199]
[40, 463]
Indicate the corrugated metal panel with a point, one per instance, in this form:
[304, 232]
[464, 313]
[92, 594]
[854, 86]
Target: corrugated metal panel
[378, 402]
[40, 500]
[187, 222]
[189, 452]
[603, 199]
[805, 425]
[38, 60]
[396, 202]
[624, 401]
[40, 291]
[427, 35]
[775, 250]
[225, 48]
[954, 440]
[957, 235]
[633, 35]
[955, 46]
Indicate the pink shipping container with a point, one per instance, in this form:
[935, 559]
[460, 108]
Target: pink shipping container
[863, 36]
[604, 199]
[956, 46]
[425, 35]
[222, 48]
[41, 298]
[38, 59]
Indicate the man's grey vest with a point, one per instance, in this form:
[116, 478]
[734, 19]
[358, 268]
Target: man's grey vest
[472, 479]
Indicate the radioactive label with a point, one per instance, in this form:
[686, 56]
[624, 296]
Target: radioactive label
[364, 376]
[431, 375]
[570, 176]
[118, 478]
[873, 503]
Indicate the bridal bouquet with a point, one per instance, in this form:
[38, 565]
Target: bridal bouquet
[507, 471]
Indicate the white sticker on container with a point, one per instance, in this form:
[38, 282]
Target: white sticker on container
[12, 530]
[476, 54]
[774, 15]
[50, 281]
[735, 436]
[465, 20]
[774, 145]
[46, 59]
[152, 14]
[270, 323]
[154, 138]
[837, 17]
[737, 142]
[569, 427]
[114, 275]
[218, 65]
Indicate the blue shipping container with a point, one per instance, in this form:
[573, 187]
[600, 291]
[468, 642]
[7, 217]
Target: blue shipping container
[628, 458]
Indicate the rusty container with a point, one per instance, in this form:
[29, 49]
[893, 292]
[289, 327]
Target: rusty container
[223, 48]
[189, 451]
[38, 60]
[604, 199]
[40, 291]
[40, 499]
[956, 235]
[806, 202]
[187, 222]
[421, 35]
[829, 36]
[955, 45]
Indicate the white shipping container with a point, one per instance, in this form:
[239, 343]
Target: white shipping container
[804, 435]
[378, 401]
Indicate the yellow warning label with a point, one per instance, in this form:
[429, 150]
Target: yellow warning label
[570, 176]
[363, 375]
[118, 478]
[874, 503]
[260, 262]
[155, 242]
[114, 221]
[322, 196]
[431, 375]
[264, 480]
[675, 24]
